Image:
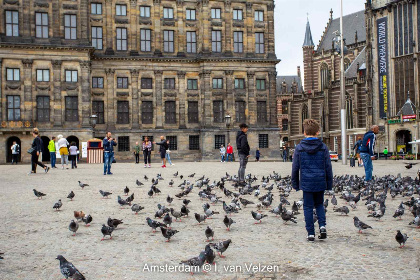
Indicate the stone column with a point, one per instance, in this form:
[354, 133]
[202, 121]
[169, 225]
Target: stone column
[109, 105]
[249, 23]
[157, 30]
[272, 95]
[182, 98]
[271, 53]
[158, 98]
[252, 118]
[58, 108]
[27, 18]
[27, 100]
[204, 21]
[1, 91]
[181, 36]
[135, 98]
[206, 98]
[228, 28]
[86, 94]
[55, 21]
[109, 30]
[134, 18]
[84, 22]
[230, 97]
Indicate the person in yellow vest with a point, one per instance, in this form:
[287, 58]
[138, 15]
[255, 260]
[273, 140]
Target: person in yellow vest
[51, 148]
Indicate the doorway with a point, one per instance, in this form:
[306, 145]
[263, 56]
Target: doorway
[45, 151]
[74, 139]
[402, 139]
[9, 144]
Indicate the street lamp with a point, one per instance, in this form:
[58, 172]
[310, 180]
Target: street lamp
[415, 138]
[228, 120]
[93, 120]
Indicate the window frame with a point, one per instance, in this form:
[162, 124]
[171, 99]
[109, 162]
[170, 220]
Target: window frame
[216, 41]
[263, 141]
[71, 75]
[260, 84]
[122, 82]
[216, 13]
[238, 84]
[169, 83]
[14, 108]
[238, 41]
[71, 29]
[236, 13]
[122, 11]
[145, 82]
[99, 111]
[94, 7]
[170, 112]
[96, 39]
[262, 112]
[70, 110]
[193, 112]
[191, 44]
[168, 13]
[13, 72]
[145, 117]
[122, 32]
[189, 13]
[173, 142]
[259, 15]
[44, 28]
[123, 112]
[96, 80]
[41, 73]
[240, 109]
[168, 45]
[194, 142]
[46, 111]
[219, 140]
[146, 39]
[218, 111]
[217, 83]
[123, 143]
[145, 11]
[14, 26]
[259, 42]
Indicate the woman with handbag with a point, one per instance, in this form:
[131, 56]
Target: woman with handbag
[147, 152]
[35, 150]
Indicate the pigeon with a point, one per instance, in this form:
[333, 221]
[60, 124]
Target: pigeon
[146, 178]
[208, 212]
[114, 222]
[360, 225]
[277, 210]
[169, 199]
[154, 224]
[409, 165]
[200, 218]
[229, 209]
[186, 201]
[295, 208]
[126, 190]
[245, 202]
[195, 262]
[210, 255]
[209, 233]
[58, 205]
[334, 201]
[79, 215]
[106, 230]
[401, 238]
[228, 222]
[176, 174]
[184, 211]
[69, 270]
[167, 220]
[136, 208]
[130, 198]
[288, 217]
[326, 203]
[415, 222]
[150, 193]
[1, 257]
[221, 246]
[38, 194]
[73, 227]
[122, 202]
[104, 194]
[83, 185]
[87, 220]
[138, 183]
[342, 210]
[192, 175]
[71, 195]
[171, 183]
[168, 233]
[399, 212]
[176, 214]
[257, 216]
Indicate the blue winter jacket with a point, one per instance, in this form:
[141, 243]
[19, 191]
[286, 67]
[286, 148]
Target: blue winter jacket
[312, 170]
[108, 145]
[368, 144]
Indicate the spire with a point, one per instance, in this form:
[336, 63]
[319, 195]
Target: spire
[308, 36]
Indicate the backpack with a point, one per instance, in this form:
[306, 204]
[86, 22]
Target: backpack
[17, 149]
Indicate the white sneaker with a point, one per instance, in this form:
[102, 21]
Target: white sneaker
[145, 166]
[172, 164]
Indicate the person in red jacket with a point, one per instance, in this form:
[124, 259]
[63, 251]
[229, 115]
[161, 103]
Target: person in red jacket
[229, 153]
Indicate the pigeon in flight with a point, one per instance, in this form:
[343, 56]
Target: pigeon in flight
[69, 270]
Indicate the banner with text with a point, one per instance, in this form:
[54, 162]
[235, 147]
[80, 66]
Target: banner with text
[382, 29]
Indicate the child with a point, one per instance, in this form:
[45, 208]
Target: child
[312, 173]
[73, 155]
[257, 155]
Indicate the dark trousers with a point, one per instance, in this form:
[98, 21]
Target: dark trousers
[15, 158]
[243, 160]
[73, 159]
[313, 200]
[147, 157]
[137, 156]
[35, 162]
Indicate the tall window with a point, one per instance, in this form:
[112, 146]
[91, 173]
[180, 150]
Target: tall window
[147, 112]
[97, 82]
[42, 75]
[43, 108]
[122, 82]
[305, 114]
[215, 13]
[191, 42]
[169, 83]
[192, 112]
[260, 84]
[41, 25]
[259, 42]
[123, 143]
[404, 79]
[98, 110]
[239, 83]
[12, 74]
[285, 107]
[96, 8]
[72, 106]
[170, 112]
[190, 14]
[324, 75]
[237, 15]
[70, 27]
[217, 83]
[12, 23]
[146, 83]
[121, 10]
[123, 112]
[13, 108]
[97, 37]
[121, 39]
[194, 143]
[349, 111]
[145, 40]
[168, 40]
[71, 76]
[173, 143]
[238, 41]
[261, 111]
[216, 41]
[403, 29]
[192, 84]
[168, 13]
[218, 112]
[219, 140]
[284, 124]
[259, 15]
[145, 11]
[263, 141]
[240, 111]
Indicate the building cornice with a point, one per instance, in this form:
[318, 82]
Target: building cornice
[47, 47]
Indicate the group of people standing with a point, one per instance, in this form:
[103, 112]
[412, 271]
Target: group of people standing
[226, 153]
[147, 147]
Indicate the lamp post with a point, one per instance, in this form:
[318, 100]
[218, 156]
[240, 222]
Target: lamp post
[415, 138]
[228, 120]
[93, 120]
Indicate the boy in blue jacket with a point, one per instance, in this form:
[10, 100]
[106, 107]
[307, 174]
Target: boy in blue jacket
[312, 173]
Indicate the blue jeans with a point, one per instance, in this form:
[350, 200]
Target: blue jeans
[367, 163]
[108, 157]
[223, 157]
[229, 156]
[168, 158]
[313, 200]
[53, 159]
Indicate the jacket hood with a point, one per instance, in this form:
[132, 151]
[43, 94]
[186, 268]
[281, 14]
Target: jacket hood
[312, 146]
[240, 133]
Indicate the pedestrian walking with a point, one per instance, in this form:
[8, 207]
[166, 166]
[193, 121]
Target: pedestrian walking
[35, 150]
[222, 153]
[366, 151]
[168, 156]
[73, 155]
[108, 144]
[257, 155]
[52, 150]
[229, 153]
[386, 153]
[312, 174]
[162, 150]
[356, 149]
[285, 154]
[15, 152]
[64, 152]
[291, 154]
[137, 152]
[147, 152]
[243, 151]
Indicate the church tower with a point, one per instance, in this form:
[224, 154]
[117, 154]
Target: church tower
[308, 51]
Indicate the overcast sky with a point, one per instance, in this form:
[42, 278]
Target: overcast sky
[290, 25]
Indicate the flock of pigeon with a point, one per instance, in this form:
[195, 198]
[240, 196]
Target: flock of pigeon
[258, 193]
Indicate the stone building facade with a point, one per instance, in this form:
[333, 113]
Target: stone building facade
[321, 99]
[145, 68]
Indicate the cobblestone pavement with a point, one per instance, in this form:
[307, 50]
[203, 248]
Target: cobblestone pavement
[32, 234]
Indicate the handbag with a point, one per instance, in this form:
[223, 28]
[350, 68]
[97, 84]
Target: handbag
[31, 150]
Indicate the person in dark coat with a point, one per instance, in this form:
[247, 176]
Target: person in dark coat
[312, 174]
[37, 147]
[257, 155]
[367, 151]
[243, 151]
[356, 148]
[285, 154]
[162, 149]
[108, 143]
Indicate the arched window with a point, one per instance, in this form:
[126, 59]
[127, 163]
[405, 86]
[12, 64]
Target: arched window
[346, 64]
[305, 114]
[349, 111]
[285, 124]
[324, 76]
[322, 119]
